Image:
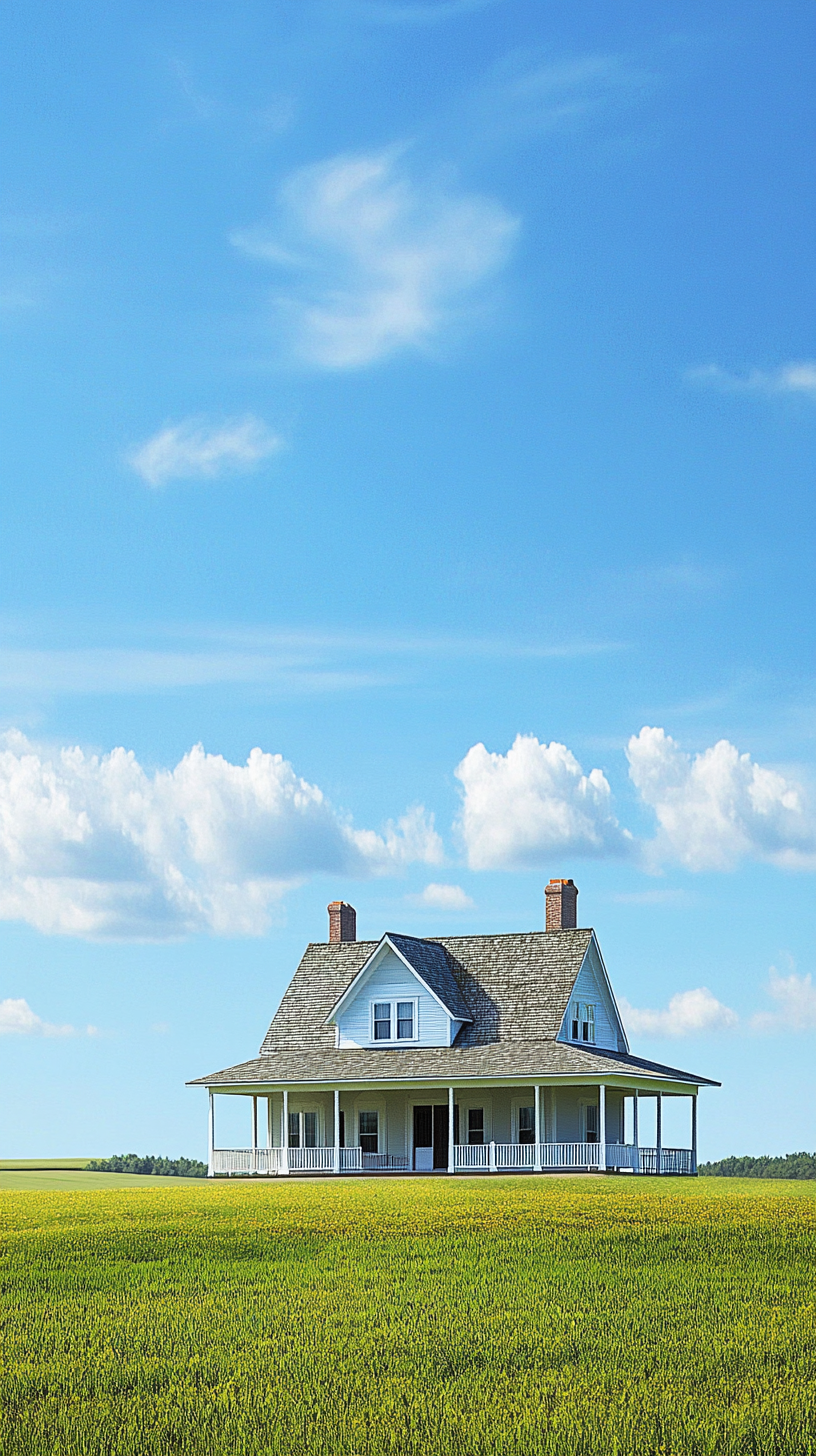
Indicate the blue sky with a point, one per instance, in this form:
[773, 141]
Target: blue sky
[409, 440]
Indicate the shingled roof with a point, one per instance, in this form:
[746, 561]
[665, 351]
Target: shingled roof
[432, 964]
[511, 987]
[515, 988]
[527, 1061]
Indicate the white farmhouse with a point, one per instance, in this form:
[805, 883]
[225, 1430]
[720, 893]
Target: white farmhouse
[473, 1053]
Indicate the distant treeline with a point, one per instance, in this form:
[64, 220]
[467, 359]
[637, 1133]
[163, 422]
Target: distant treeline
[793, 1165]
[161, 1167]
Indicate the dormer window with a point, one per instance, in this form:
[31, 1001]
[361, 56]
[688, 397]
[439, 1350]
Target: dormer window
[394, 1020]
[382, 1020]
[583, 1021]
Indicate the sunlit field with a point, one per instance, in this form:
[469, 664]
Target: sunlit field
[412, 1317]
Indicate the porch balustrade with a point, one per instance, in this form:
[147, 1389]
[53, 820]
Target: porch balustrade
[481, 1157]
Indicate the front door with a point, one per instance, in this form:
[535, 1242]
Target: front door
[431, 1138]
[423, 1139]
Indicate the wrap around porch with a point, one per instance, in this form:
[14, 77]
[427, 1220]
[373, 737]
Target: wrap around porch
[535, 1129]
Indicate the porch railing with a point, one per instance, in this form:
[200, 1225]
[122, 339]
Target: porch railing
[310, 1160]
[354, 1160]
[248, 1160]
[473, 1157]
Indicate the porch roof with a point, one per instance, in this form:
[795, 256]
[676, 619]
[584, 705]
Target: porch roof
[526, 1061]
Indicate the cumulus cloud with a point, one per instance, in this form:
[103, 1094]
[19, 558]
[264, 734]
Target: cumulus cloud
[198, 449]
[795, 998]
[96, 846]
[719, 807]
[797, 378]
[687, 1014]
[381, 263]
[444, 897]
[522, 807]
[17, 1019]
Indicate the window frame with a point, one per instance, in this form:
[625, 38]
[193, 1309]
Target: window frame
[368, 1112]
[481, 1140]
[582, 1022]
[394, 1039]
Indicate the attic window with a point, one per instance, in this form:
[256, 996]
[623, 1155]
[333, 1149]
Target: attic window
[382, 1020]
[394, 1020]
[583, 1021]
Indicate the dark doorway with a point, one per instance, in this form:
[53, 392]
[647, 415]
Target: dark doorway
[431, 1134]
[440, 1137]
[423, 1127]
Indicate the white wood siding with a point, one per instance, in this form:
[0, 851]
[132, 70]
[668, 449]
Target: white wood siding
[590, 986]
[391, 980]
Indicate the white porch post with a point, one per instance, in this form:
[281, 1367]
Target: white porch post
[270, 1125]
[285, 1132]
[635, 1118]
[211, 1137]
[694, 1133]
[254, 1123]
[602, 1122]
[659, 1138]
[451, 1144]
[537, 1091]
[336, 1130]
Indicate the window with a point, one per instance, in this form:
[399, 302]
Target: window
[591, 1121]
[368, 1131]
[382, 1020]
[405, 1020]
[303, 1129]
[476, 1125]
[526, 1124]
[583, 1021]
[394, 1020]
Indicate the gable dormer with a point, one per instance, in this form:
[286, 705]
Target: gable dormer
[591, 1017]
[404, 996]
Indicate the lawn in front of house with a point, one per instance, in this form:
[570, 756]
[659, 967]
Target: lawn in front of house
[412, 1317]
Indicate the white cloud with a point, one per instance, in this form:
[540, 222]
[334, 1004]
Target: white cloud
[795, 998]
[797, 377]
[17, 1019]
[383, 264]
[95, 846]
[522, 807]
[197, 449]
[688, 1013]
[719, 807]
[444, 897]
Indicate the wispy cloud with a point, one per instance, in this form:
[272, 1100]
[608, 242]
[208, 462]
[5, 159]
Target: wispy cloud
[443, 897]
[795, 1004]
[198, 449]
[381, 262]
[688, 1014]
[301, 662]
[404, 14]
[18, 1019]
[528, 96]
[97, 847]
[795, 378]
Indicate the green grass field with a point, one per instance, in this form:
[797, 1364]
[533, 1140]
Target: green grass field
[412, 1317]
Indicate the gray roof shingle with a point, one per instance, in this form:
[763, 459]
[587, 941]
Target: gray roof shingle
[526, 1061]
[514, 987]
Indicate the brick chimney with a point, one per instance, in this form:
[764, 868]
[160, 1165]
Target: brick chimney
[342, 921]
[561, 898]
